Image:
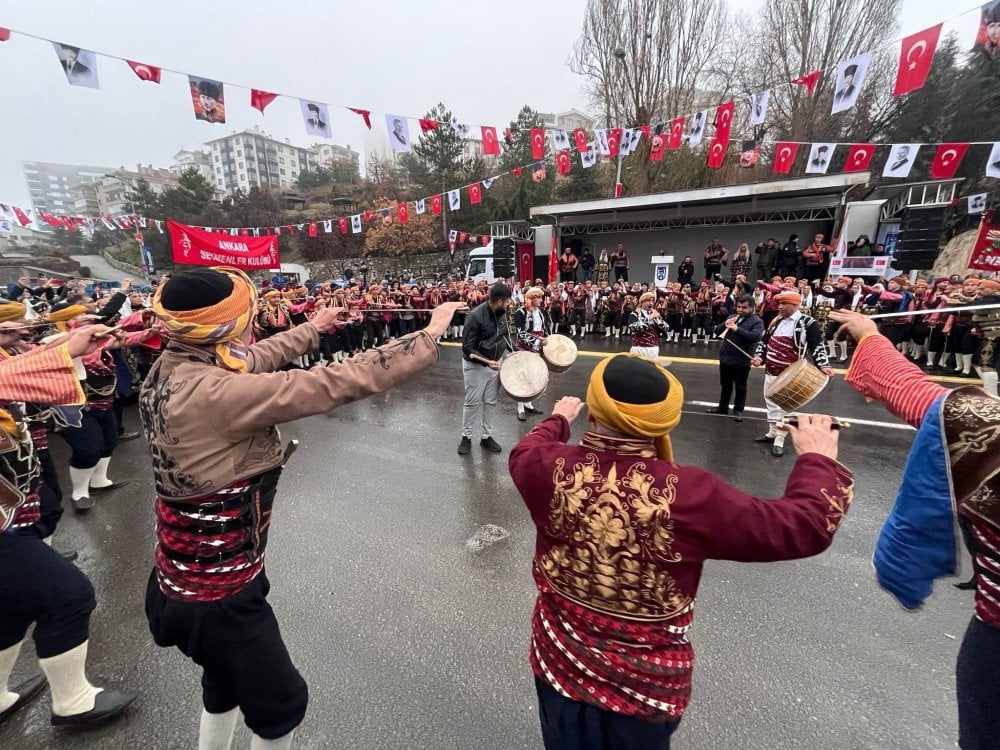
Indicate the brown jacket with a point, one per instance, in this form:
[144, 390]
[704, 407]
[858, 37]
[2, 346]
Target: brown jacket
[209, 427]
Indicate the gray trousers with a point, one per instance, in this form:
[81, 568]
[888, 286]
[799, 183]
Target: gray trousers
[482, 387]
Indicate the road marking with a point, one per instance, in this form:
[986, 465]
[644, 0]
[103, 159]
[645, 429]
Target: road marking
[852, 420]
[667, 359]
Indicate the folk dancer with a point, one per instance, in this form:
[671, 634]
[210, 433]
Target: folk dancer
[37, 585]
[952, 473]
[789, 338]
[209, 409]
[533, 325]
[645, 326]
[622, 533]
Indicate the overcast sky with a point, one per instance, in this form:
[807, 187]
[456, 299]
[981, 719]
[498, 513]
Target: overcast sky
[483, 60]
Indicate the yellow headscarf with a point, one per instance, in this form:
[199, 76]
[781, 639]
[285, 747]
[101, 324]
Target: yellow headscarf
[220, 324]
[62, 316]
[654, 420]
[11, 311]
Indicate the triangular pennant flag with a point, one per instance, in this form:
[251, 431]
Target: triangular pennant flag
[366, 115]
[947, 159]
[368, 215]
[580, 136]
[809, 80]
[977, 203]
[356, 224]
[676, 133]
[454, 200]
[859, 157]
[475, 193]
[328, 225]
[516, 171]
[491, 145]
[563, 165]
[537, 143]
[436, 204]
[145, 72]
[4, 34]
[421, 206]
[716, 154]
[724, 121]
[403, 212]
[915, 58]
[784, 157]
[427, 126]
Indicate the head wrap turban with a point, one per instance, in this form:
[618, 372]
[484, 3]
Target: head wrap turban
[61, 316]
[636, 396]
[794, 297]
[11, 311]
[989, 286]
[645, 296]
[220, 322]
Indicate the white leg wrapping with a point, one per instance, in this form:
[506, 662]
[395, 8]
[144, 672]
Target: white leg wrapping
[8, 657]
[100, 478]
[80, 479]
[215, 731]
[282, 743]
[72, 693]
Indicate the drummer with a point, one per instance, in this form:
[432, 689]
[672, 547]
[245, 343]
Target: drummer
[533, 325]
[788, 339]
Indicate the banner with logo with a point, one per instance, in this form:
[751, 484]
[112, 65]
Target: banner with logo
[196, 247]
[862, 265]
[986, 251]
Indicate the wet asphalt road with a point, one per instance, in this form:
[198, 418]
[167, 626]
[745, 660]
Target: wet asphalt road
[410, 639]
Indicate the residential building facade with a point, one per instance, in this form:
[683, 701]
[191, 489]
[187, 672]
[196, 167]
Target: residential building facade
[324, 153]
[569, 120]
[50, 185]
[252, 158]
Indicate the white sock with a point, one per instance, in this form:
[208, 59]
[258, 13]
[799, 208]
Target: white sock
[8, 657]
[779, 437]
[216, 730]
[930, 358]
[72, 693]
[282, 743]
[80, 479]
[989, 385]
[100, 478]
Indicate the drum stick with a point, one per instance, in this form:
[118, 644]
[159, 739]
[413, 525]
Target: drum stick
[740, 349]
[480, 358]
[939, 310]
[793, 420]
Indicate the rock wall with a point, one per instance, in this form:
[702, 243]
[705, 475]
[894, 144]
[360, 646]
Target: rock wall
[954, 258]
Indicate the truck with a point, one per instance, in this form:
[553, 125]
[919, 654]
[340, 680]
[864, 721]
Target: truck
[480, 265]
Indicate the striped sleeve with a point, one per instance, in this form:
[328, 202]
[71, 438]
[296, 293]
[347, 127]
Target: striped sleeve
[42, 376]
[881, 373]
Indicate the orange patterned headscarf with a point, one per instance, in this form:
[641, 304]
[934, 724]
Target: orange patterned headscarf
[220, 324]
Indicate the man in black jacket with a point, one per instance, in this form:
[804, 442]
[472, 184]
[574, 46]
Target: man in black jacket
[485, 340]
[742, 332]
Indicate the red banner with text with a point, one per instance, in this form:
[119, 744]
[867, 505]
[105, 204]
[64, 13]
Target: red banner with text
[196, 247]
[986, 251]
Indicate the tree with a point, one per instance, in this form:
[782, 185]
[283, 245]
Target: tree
[144, 200]
[386, 235]
[514, 195]
[190, 200]
[435, 164]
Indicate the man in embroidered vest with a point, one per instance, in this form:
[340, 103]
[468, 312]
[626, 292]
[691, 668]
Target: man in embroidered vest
[622, 534]
[209, 407]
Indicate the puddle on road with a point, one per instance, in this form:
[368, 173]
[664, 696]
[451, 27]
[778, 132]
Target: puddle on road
[487, 535]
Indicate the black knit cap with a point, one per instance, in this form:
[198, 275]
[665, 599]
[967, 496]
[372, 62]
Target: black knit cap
[634, 380]
[200, 287]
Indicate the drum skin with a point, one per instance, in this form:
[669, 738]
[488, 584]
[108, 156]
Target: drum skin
[799, 384]
[524, 376]
[559, 352]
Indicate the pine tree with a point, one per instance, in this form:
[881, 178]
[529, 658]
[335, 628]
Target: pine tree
[435, 164]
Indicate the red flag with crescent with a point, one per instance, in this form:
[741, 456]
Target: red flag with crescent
[403, 212]
[462, 237]
[724, 121]
[947, 159]
[145, 72]
[475, 193]
[427, 126]
[516, 171]
[22, 217]
[614, 140]
[563, 165]
[784, 157]
[436, 204]
[537, 143]
[342, 223]
[580, 136]
[491, 144]
[260, 99]
[676, 133]
[716, 154]
[859, 157]
[915, 60]
[809, 80]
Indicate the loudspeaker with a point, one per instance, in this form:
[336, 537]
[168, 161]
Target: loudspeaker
[919, 238]
[503, 258]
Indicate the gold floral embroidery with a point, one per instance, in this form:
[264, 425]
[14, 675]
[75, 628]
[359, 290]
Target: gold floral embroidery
[839, 503]
[617, 537]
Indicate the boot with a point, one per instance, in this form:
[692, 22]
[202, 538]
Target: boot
[572, 331]
[461, 330]
[943, 362]
[842, 348]
[931, 356]
[687, 333]
[916, 351]
[967, 364]
[216, 730]
[607, 333]
[80, 494]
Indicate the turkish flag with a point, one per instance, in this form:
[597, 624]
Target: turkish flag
[553, 262]
[784, 157]
[516, 171]
[462, 237]
[614, 140]
[723, 121]
[915, 60]
[436, 204]
[368, 215]
[366, 115]
[475, 193]
[537, 143]
[676, 133]
[145, 72]
[22, 217]
[427, 126]
[809, 80]
[859, 157]
[403, 212]
[947, 159]
[312, 229]
[644, 129]
[491, 144]
[657, 145]
[580, 136]
[260, 99]
[716, 153]
[342, 223]
[563, 165]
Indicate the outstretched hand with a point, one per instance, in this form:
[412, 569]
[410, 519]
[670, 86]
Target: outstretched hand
[569, 407]
[853, 324]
